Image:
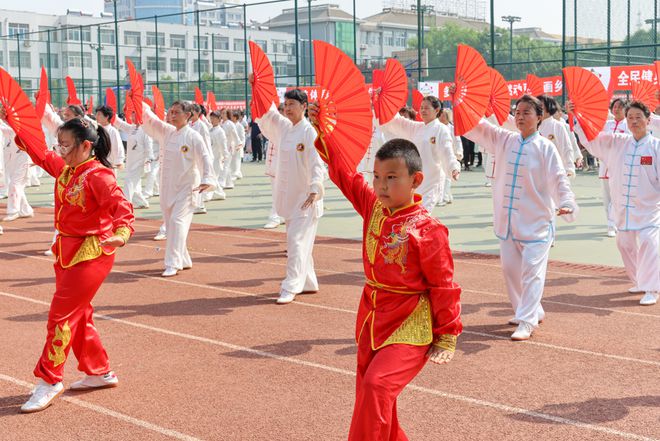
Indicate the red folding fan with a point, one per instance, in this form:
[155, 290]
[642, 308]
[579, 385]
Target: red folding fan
[21, 115]
[148, 102]
[90, 105]
[657, 73]
[43, 96]
[644, 91]
[264, 93]
[589, 98]
[534, 85]
[210, 101]
[345, 117]
[134, 96]
[199, 96]
[111, 101]
[72, 99]
[472, 93]
[159, 102]
[499, 102]
[393, 94]
[417, 99]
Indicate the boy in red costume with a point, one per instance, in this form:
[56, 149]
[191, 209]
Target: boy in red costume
[410, 307]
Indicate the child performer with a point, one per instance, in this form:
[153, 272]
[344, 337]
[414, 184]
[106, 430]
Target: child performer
[435, 145]
[633, 163]
[410, 307]
[298, 189]
[529, 187]
[93, 219]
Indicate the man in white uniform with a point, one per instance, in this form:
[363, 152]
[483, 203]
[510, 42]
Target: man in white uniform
[298, 189]
[201, 127]
[184, 159]
[139, 154]
[274, 219]
[17, 164]
[530, 187]
[233, 142]
[237, 158]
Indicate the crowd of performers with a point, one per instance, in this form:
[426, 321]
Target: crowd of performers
[410, 307]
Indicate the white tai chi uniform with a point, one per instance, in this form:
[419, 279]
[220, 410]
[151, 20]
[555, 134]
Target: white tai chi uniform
[436, 148]
[237, 157]
[271, 163]
[554, 130]
[184, 159]
[200, 127]
[366, 166]
[151, 186]
[3, 174]
[447, 197]
[654, 125]
[139, 152]
[530, 184]
[17, 166]
[634, 180]
[221, 153]
[117, 155]
[611, 126]
[234, 145]
[489, 169]
[299, 171]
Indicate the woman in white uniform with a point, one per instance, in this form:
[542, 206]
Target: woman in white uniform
[139, 154]
[17, 166]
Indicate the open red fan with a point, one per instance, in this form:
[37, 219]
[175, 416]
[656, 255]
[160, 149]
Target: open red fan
[644, 91]
[417, 99]
[534, 85]
[72, 99]
[393, 90]
[589, 97]
[43, 96]
[210, 101]
[21, 116]
[199, 96]
[472, 93]
[111, 101]
[499, 102]
[148, 102]
[264, 93]
[657, 73]
[90, 105]
[345, 117]
[377, 78]
[159, 103]
[134, 96]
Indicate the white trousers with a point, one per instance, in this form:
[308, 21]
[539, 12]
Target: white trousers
[151, 186]
[133, 188]
[34, 175]
[300, 235]
[17, 166]
[524, 266]
[3, 177]
[607, 203]
[226, 180]
[489, 169]
[218, 170]
[178, 218]
[447, 196]
[236, 157]
[274, 217]
[431, 197]
[641, 257]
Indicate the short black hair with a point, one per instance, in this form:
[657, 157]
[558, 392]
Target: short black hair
[434, 102]
[615, 100]
[106, 111]
[196, 108]
[401, 148]
[641, 106]
[549, 103]
[296, 94]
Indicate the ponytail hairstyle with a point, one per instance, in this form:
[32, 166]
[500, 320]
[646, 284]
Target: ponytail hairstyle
[435, 103]
[76, 110]
[83, 131]
[106, 111]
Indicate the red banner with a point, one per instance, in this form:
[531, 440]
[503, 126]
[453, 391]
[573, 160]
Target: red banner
[552, 86]
[621, 77]
[232, 105]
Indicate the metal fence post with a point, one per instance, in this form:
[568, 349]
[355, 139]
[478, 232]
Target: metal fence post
[609, 32]
[50, 84]
[157, 62]
[354, 35]
[492, 33]
[82, 67]
[245, 58]
[199, 53]
[98, 62]
[309, 32]
[117, 55]
[213, 62]
[419, 41]
[295, 19]
[18, 53]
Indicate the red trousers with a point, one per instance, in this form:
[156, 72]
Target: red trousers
[70, 324]
[381, 376]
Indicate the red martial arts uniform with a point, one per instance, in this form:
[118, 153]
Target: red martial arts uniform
[89, 208]
[408, 302]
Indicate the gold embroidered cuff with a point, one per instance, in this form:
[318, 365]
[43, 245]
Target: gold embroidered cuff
[124, 233]
[446, 342]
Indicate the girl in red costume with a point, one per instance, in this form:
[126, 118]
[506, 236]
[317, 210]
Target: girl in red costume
[93, 219]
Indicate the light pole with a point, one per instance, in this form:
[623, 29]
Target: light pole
[511, 19]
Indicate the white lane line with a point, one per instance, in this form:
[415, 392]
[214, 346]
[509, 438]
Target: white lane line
[108, 412]
[455, 397]
[348, 311]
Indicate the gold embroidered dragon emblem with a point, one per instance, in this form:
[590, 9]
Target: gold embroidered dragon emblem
[62, 335]
[75, 194]
[395, 245]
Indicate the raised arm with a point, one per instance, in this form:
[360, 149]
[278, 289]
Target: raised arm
[602, 146]
[400, 127]
[40, 155]
[123, 126]
[154, 127]
[489, 137]
[51, 120]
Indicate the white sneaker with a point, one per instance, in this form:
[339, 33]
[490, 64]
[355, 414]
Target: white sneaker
[160, 236]
[271, 224]
[523, 332]
[285, 297]
[10, 217]
[96, 382]
[200, 210]
[219, 197]
[488, 184]
[650, 298]
[611, 232]
[26, 216]
[48, 252]
[169, 272]
[635, 290]
[42, 396]
[140, 207]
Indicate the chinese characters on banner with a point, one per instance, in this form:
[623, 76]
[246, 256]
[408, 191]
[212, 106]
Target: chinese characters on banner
[231, 105]
[622, 77]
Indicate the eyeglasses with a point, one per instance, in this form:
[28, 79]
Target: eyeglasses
[63, 150]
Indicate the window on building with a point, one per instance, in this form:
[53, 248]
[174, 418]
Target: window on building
[239, 67]
[262, 44]
[203, 65]
[44, 34]
[374, 38]
[203, 42]
[239, 45]
[132, 38]
[290, 48]
[221, 66]
[2, 58]
[178, 41]
[388, 38]
[73, 34]
[108, 62]
[151, 39]
[279, 46]
[25, 59]
[136, 62]
[399, 39]
[72, 59]
[220, 43]
[177, 65]
[153, 64]
[19, 29]
[107, 36]
[43, 60]
[280, 68]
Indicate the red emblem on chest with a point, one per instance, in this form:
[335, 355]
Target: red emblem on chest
[646, 160]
